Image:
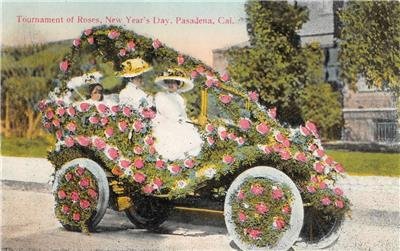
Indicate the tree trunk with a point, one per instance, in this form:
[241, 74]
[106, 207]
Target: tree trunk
[7, 126]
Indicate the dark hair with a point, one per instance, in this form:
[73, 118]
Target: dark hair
[91, 88]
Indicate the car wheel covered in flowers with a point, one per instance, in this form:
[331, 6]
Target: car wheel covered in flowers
[277, 184]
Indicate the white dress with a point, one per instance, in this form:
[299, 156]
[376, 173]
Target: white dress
[134, 96]
[175, 138]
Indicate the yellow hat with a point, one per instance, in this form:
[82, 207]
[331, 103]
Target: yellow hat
[175, 74]
[134, 67]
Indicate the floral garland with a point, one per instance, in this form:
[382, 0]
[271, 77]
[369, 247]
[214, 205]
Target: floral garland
[123, 136]
[261, 211]
[76, 198]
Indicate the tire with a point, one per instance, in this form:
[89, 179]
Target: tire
[148, 212]
[103, 189]
[313, 236]
[296, 220]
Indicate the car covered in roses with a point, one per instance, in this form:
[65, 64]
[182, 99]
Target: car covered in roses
[277, 184]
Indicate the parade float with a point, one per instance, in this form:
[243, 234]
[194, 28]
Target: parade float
[277, 184]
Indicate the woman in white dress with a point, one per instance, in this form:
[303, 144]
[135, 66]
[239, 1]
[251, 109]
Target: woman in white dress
[176, 138]
[132, 94]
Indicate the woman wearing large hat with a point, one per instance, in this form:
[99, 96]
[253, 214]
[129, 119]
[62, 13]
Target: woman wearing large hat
[175, 137]
[132, 94]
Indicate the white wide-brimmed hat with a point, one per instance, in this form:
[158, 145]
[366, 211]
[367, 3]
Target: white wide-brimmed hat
[134, 67]
[85, 79]
[186, 83]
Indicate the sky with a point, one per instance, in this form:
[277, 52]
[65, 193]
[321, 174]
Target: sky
[198, 40]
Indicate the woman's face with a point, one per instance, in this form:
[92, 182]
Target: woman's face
[172, 85]
[138, 81]
[97, 93]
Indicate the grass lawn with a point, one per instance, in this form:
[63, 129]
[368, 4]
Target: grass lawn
[364, 163]
[355, 163]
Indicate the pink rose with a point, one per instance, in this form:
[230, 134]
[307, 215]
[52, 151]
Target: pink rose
[304, 131]
[156, 44]
[314, 179]
[71, 111]
[311, 189]
[49, 114]
[319, 167]
[279, 223]
[157, 183]
[104, 121]
[254, 233]
[300, 156]
[74, 196]
[138, 163]
[322, 185]
[189, 163]
[225, 77]
[94, 120]
[339, 204]
[210, 141]
[76, 216]
[311, 127]
[76, 42]
[68, 176]
[210, 128]
[339, 168]
[65, 209]
[253, 96]
[102, 108]
[92, 193]
[71, 126]
[256, 189]
[222, 133]
[138, 150]
[280, 137]
[139, 177]
[232, 136]
[338, 191]
[160, 164]
[42, 105]
[64, 65]
[84, 204]
[329, 161]
[193, 74]
[240, 141]
[122, 52]
[148, 113]
[69, 141]
[99, 143]
[122, 126]
[109, 132]
[59, 134]
[80, 171]
[113, 34]
[312, 147]
[277, 193]
[272, 113]
[242, 217]
[225, 99]
[61, 194]
[209, 82]
[84, 183]
[113, 153]
[261, 208]
[266, 149]
[174, 168]
[84, 107]
[284, 154]
[90, 40]
[138, 126]
[124, 163]
[83, 141]
[152, 150]
[228, 159]
[319, 153]
[286, 209]
[87, 32]
[148, 189]
[326, 201]
[60, 111]
[262, 128]
[149, 140]
[244, 124]
[277, 148]
[241, 195]
[200, 69]
[286, 143]
[180, 59]
[131, 45]
[56, 123]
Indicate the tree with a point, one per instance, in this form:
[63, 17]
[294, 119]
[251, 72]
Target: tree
[280, 69]
[370, 43]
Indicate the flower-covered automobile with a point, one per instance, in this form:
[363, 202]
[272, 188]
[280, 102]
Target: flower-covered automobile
[277, 183]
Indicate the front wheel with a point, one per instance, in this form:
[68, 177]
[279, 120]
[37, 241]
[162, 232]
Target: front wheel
[148, 212]
[81, 192]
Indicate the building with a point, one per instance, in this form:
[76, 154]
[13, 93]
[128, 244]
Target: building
[369, 115]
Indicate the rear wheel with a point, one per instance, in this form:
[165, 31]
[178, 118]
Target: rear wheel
[81, 192]
[148, 212]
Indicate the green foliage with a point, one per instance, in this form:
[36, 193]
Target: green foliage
[319, 103]
[370, 43]
[23, 147]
